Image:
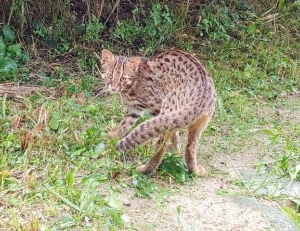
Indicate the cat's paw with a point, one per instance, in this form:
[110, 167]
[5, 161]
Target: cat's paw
[143, 169]
[199, 172]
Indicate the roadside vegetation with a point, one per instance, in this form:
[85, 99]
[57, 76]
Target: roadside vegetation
[59, 170]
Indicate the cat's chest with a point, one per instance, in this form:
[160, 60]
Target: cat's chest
[143, 99]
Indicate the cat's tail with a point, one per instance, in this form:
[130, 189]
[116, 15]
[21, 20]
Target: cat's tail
[154, 127]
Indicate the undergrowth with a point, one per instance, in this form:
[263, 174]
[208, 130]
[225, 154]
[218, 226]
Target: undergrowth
[11, 56]
[57, 164]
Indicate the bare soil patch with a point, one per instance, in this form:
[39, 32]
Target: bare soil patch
[202, 205]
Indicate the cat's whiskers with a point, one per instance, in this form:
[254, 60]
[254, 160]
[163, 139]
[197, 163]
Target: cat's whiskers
[175, 88]
[121, 97]
[101, 92]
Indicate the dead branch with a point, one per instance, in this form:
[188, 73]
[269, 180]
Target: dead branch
[14, 90]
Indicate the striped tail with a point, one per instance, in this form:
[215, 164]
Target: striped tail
[154, 127]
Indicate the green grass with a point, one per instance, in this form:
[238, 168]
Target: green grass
[59, 170]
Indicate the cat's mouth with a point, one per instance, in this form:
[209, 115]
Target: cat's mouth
[112, 89]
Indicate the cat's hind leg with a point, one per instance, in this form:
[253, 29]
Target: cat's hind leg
[161, 147]
[195, 130]
[175, 143]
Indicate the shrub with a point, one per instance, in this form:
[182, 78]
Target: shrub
[11, 55]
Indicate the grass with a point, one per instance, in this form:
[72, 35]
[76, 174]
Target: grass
[64, 172]
[59, 170]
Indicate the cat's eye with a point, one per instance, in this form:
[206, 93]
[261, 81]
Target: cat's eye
[109, 76]
[122, 79]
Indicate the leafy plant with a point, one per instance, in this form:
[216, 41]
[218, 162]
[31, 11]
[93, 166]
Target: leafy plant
[218, 21]
[288, 162]
[174, 166]
[156, 29]
[54, 38]
[142, 185]
[92, 30]
[11, 55]
[72, 177]
[39, 28]
[293, 213]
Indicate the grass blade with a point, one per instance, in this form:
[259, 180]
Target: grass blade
[3, 106]
[65, 200]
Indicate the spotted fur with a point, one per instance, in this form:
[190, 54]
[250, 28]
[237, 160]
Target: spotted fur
[174, 87]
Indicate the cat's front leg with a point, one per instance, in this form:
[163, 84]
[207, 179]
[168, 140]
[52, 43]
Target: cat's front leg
[128, 120]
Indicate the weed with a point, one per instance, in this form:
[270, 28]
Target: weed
[157, 28]
[57, 164]
[143, 185]
[92, 30]
[293, 213]
[216, 22]
[11, 55]
[174, 166]
[286, 163]
[54, 38]
[274, 180]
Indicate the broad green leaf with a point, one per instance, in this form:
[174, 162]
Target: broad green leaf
[251, 29]
[175, 166]
[293, 215]
[23, 58]
[8, 65]
[2, 48]
[296, 3]
[281, 4]
[39, 28]
[95, 177]
[91, 108]
[54, 123]
[37, 24]
[13, 51]
[70, 178]
[8, 33]
[268, 132]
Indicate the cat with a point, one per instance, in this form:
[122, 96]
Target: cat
[174, 87]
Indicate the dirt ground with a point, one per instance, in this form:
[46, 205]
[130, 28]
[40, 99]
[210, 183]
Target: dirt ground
[200, 209]
[201, 205]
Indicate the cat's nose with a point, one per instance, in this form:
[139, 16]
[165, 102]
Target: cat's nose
[114, 88]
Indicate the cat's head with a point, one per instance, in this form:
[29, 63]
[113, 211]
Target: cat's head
[118, 72]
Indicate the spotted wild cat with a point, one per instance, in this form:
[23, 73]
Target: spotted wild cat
[174, 87]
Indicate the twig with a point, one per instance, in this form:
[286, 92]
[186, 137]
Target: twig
[270, 9]
[13, 90]
[115, 6]
[101, 9]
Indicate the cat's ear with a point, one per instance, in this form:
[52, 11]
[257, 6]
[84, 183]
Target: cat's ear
[107, 57]
[134, 63]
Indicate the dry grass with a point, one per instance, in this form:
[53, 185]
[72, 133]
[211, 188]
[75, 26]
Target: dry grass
[58, 169]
